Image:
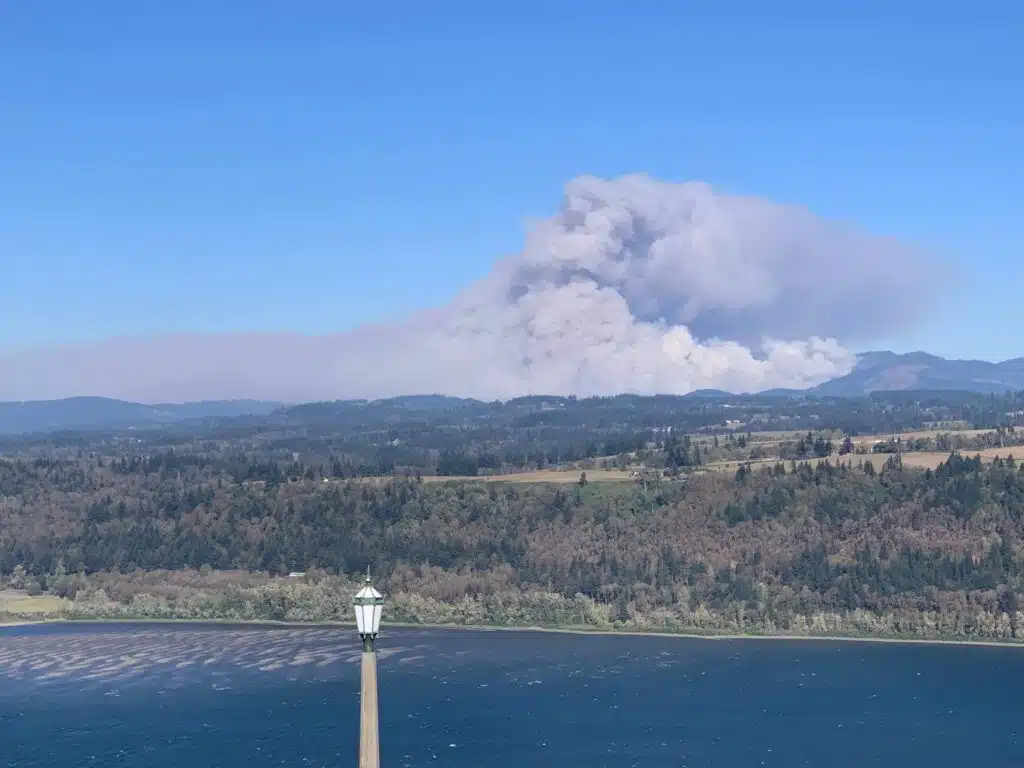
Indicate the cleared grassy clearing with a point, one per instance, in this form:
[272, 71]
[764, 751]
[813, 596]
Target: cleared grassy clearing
[778, 437]
[545, 476]
[922, 459]
[775, 439]
[923, 434]
[918, 459]
[17, 602]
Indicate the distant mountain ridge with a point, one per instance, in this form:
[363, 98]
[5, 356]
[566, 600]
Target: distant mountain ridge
[889, 371]
[106, 413]
[874, 372]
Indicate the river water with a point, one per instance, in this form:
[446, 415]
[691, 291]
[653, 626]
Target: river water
[190, 696]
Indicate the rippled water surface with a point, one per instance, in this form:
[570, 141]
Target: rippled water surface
[172, 696]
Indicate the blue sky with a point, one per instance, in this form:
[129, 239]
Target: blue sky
[314, 165]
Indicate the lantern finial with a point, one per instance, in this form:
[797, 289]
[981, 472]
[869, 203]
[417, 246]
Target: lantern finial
[368, 604]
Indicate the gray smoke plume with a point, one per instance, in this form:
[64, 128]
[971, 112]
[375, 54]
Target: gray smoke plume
[635, 285]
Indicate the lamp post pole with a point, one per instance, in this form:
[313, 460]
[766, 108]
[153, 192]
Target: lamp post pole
[369, 604]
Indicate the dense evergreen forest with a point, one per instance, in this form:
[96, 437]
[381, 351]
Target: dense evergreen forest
[211, 524]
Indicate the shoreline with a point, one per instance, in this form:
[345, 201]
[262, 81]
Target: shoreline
[685, 635]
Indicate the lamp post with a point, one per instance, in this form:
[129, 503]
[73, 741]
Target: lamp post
[369, 604]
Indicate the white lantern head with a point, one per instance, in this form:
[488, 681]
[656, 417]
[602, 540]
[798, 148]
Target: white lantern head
[369, 604]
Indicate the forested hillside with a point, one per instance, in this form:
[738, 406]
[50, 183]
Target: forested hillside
[841, 548]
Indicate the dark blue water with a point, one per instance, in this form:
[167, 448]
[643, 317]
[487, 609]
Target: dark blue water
[176, 696]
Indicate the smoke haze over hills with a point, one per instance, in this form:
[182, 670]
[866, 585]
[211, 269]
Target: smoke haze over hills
[636, 285]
